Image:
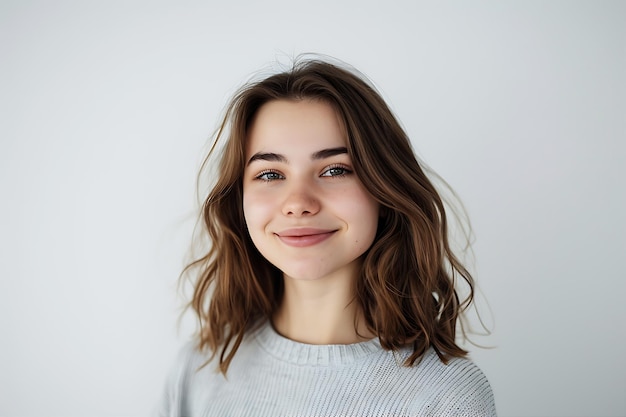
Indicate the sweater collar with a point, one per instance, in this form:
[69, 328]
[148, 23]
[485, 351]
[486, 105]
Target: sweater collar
[298, 353]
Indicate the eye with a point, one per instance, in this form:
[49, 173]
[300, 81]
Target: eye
[336, 171]
[269, 176]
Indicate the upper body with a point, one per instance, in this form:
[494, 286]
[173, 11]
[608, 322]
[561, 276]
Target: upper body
[274, 376]
[323, 223]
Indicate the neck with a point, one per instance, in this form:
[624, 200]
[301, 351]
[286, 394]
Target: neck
[321, 312]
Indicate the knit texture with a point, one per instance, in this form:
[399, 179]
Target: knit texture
[274, 376]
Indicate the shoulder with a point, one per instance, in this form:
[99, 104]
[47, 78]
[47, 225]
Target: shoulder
[188, 359]
[187, 362]
[458, 388]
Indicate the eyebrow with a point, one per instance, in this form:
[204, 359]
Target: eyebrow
[275, 157]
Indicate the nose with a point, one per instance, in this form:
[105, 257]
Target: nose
[301, 201]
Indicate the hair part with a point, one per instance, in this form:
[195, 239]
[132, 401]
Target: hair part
[407, 287]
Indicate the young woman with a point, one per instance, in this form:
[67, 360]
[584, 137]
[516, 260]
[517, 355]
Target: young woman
[329, 286]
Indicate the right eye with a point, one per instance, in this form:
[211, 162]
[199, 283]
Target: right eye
[269, 176]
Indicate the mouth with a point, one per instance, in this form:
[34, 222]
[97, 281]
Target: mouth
[304, 237]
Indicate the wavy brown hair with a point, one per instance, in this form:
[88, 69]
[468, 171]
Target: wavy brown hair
[406, 287]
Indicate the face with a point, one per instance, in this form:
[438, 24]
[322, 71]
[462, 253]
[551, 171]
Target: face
[306, 210]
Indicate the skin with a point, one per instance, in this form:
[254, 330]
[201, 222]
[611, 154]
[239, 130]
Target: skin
[309, 215]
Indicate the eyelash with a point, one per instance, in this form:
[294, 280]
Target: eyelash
[345, 170]
[268, 172]
[263, 175]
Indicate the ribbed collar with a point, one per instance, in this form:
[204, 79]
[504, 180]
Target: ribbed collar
[304, 354]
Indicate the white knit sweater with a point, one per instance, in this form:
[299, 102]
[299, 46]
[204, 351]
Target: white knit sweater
[274, 376]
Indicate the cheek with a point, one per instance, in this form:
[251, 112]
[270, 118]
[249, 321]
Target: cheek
[362, 211]
[369, 221]
[256, 209]
[248, 214]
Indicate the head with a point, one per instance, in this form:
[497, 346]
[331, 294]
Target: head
[405, 284]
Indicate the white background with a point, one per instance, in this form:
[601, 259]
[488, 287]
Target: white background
[106, 109]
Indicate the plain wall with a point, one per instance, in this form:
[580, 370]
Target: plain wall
[106, 111]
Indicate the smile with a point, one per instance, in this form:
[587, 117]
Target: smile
[304, 237]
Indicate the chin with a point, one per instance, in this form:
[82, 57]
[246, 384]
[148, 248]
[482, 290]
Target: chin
[302, 275]
[304, 272]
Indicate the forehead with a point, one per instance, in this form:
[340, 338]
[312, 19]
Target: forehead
[286, 126]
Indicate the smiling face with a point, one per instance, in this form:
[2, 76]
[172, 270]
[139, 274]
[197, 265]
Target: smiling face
[306, 210]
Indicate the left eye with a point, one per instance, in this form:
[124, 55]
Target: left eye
[335, 172]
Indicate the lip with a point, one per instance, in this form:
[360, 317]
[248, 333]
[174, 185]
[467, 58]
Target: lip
[302, 237]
